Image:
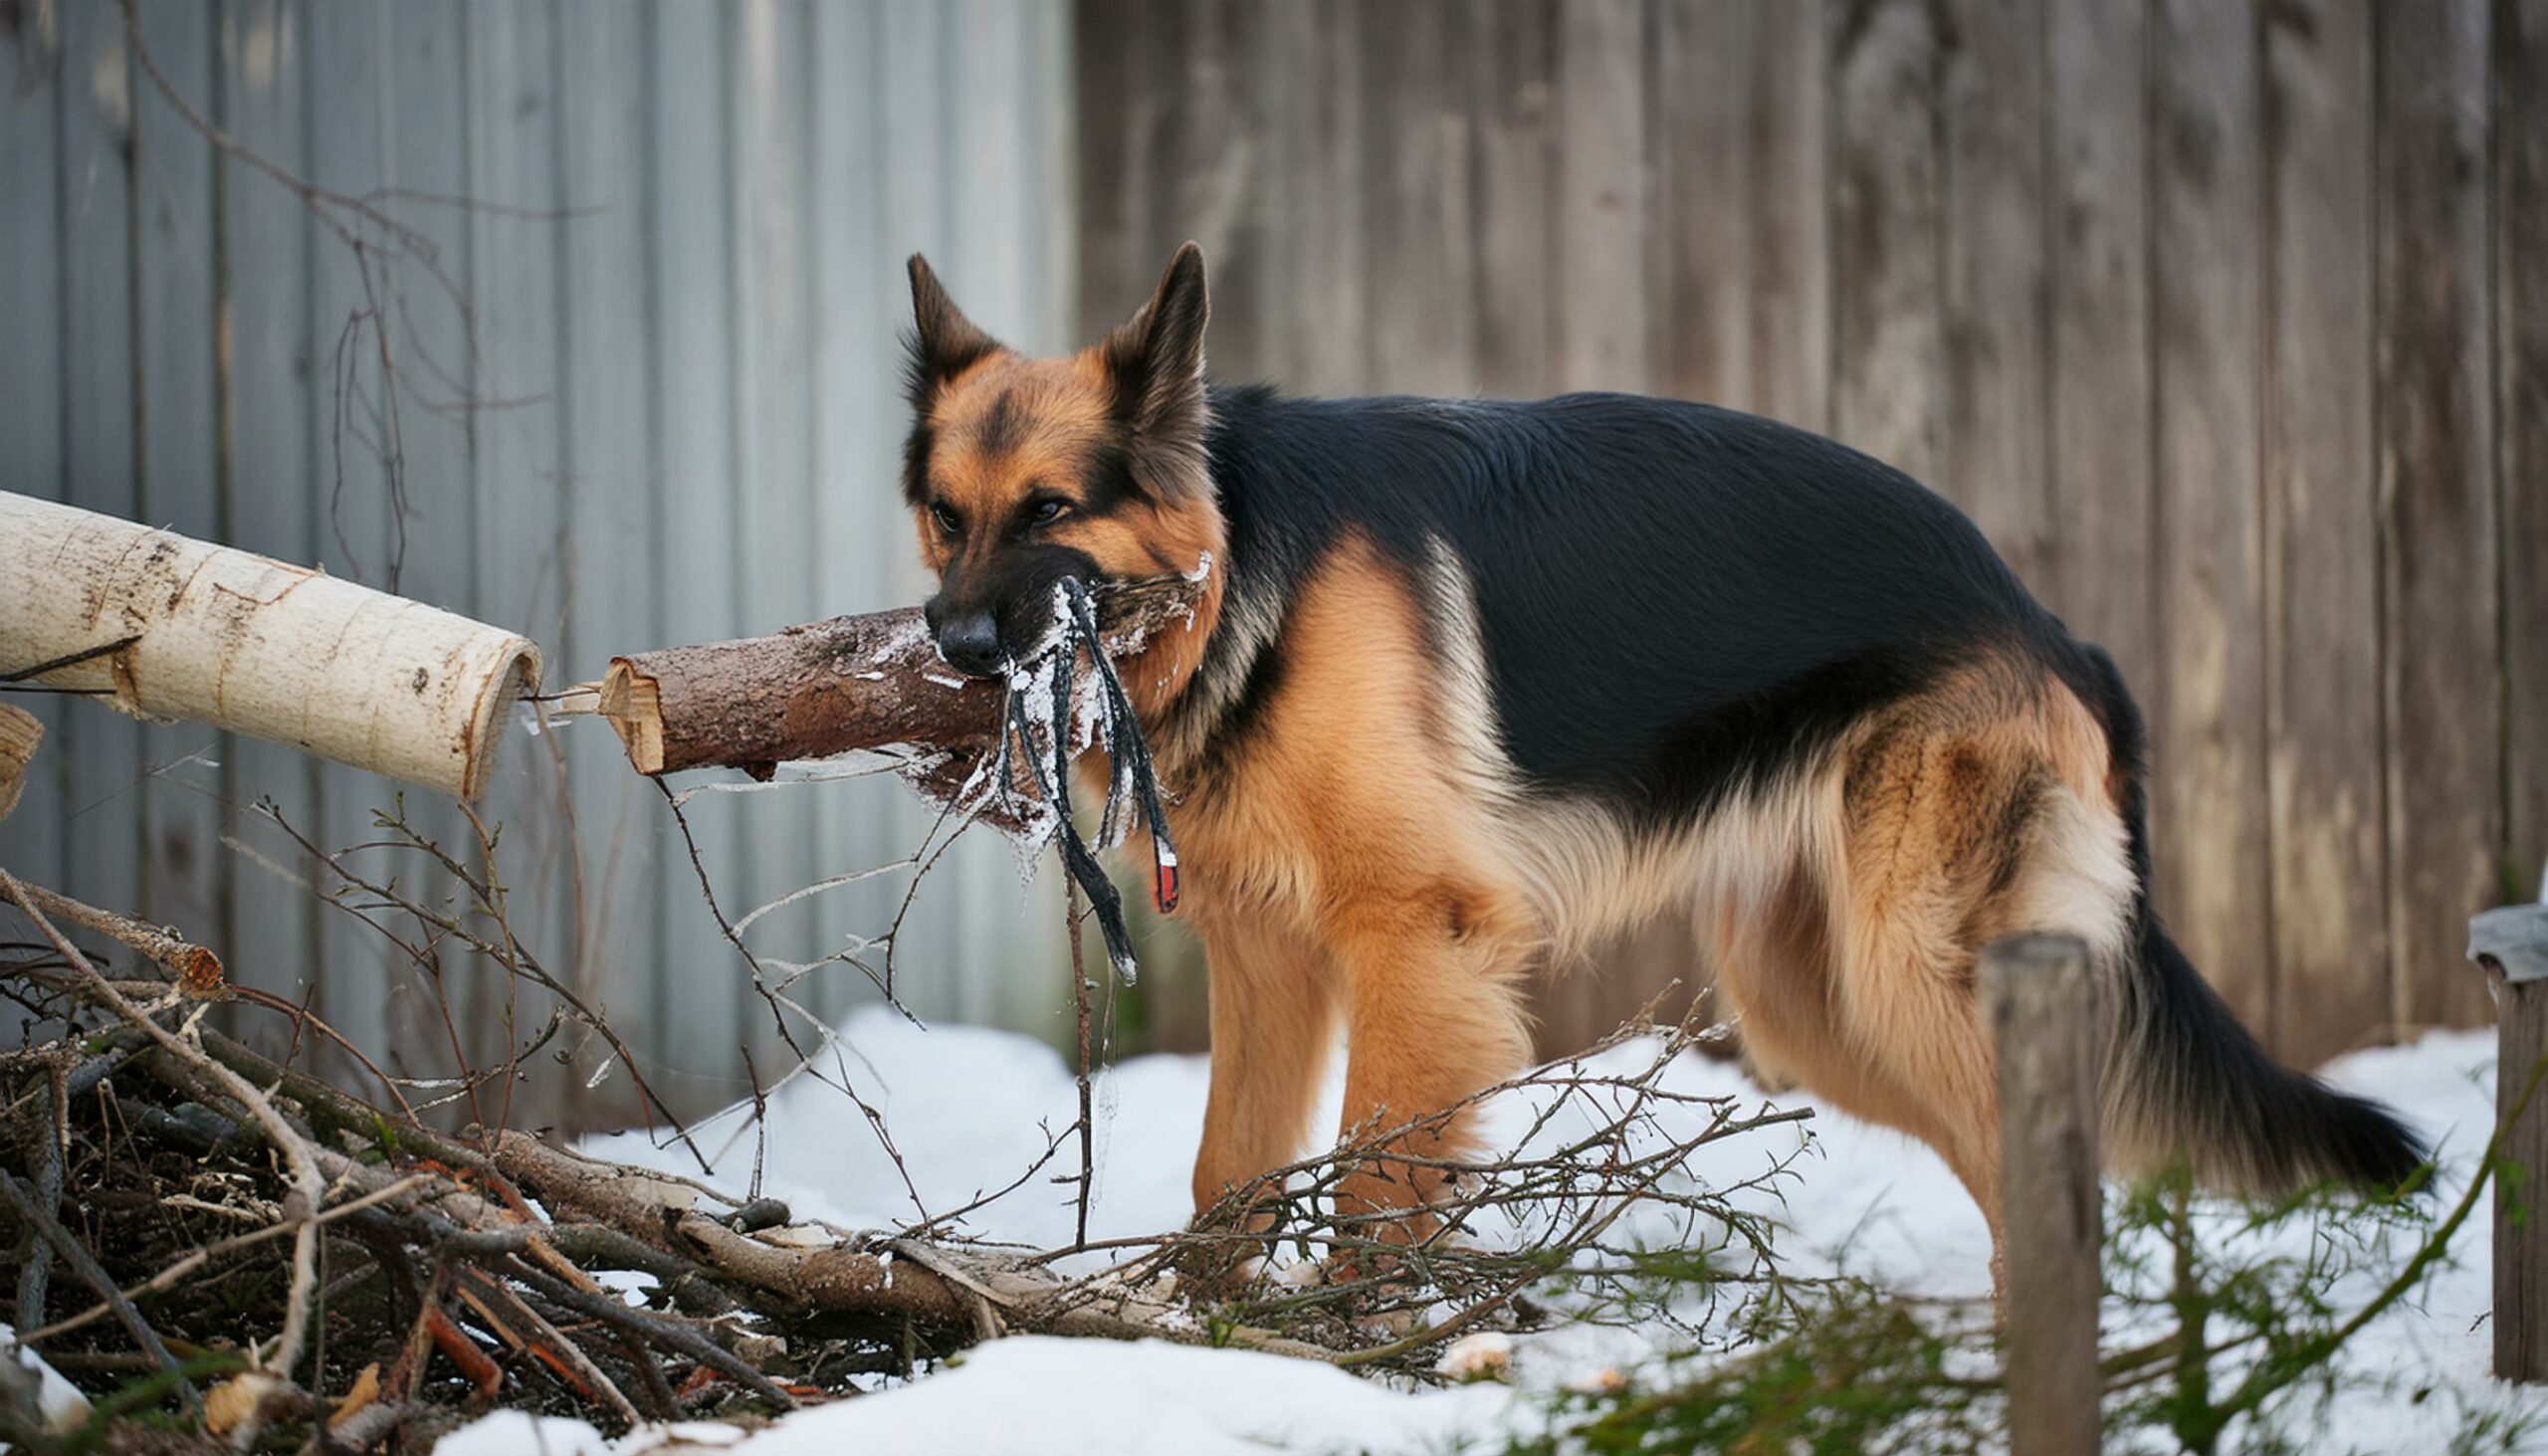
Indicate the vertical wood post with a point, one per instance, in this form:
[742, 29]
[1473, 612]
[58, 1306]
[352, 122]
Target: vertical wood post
[2042, 1019]
[2512, 944]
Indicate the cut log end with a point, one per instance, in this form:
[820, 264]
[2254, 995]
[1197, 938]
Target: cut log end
[516, 677]
[631, 702]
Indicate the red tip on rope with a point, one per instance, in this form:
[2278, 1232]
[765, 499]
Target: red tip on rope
[1164, 884]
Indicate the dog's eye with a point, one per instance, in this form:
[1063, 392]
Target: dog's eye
[948, 520]
[1048, 511]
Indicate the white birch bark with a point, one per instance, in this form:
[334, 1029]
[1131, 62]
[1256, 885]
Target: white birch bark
[257, 646]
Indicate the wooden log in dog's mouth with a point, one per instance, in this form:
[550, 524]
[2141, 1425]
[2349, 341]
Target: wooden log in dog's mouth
[823, 689]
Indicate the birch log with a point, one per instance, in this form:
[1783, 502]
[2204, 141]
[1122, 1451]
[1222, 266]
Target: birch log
[161, 626]
[830, 687]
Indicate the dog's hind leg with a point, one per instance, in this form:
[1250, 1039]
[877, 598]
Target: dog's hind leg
[1960, 828]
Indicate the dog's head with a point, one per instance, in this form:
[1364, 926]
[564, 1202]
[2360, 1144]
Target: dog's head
[1020, 471]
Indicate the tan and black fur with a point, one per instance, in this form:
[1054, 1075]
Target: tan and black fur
[1477, 683]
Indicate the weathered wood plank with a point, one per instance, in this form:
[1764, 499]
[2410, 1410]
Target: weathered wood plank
[1331, 282]
[2520, 132]
[346, 506]
[1992, 111]
[1421, 257]
[997, 939]
[2438, 493]
[2208, 729]
[1700, 71]
[1889, 362]
[102, 749]
[857, 291]
[430, 521]
[2322, 555]
[179, 481]
[2098, 462]
[1222, 193]
[772, 414]
[693, 1020]
[267, 54]
[1324, 126]
[1789, 215]
[1127, 91]
[1603, 337]
[521, 555]
[1509, 46]
[615, 555]
[919, 215]
[31, 389]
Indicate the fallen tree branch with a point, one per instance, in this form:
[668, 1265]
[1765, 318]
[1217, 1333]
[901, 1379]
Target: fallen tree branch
[829, 687]
[944, 1286]
[161, 626]
[198, 970]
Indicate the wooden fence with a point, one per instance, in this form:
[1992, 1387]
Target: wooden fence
[646, 394]
[2228, 319]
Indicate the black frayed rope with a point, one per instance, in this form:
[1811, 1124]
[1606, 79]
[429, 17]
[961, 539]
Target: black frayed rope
[1131, 782]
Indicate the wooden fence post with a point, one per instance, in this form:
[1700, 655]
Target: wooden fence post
[2042, 1015]
[2512, 944]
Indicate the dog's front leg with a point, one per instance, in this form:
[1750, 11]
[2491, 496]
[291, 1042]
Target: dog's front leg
[1432, 971]
[1274, 997]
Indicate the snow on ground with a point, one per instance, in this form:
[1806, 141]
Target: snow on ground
[965, 1107]
[59, 1403]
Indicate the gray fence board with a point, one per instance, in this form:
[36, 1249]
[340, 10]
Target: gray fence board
[2207, 699]
[1888, 354]
[269, 487]
[2520, 131]
[698, 1013]
[1512, 98]
[176, 363]
[2436, 411]
[607, 477]
[2322, 543]
[2099, 466]
[31, 386]
[1993, 115]
[1604, 339]
[102, 823]
[349, 76]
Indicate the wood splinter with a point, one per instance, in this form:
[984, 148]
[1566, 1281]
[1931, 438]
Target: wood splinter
[828, 688]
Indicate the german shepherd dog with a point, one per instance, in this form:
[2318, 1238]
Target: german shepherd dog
[1472, 683]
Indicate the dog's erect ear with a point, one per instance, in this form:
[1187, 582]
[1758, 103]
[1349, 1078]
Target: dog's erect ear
[1155, 362]
[942, 340]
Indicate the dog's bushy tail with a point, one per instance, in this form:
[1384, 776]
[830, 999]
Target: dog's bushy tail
[2184, 1078]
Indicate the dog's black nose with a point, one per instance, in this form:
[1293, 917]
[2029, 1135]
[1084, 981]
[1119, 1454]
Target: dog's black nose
[972, 643]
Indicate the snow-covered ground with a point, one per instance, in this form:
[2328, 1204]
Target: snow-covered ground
[965, 1107]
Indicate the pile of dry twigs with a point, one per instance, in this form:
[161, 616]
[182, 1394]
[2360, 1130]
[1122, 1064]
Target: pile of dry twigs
[225, 1250]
